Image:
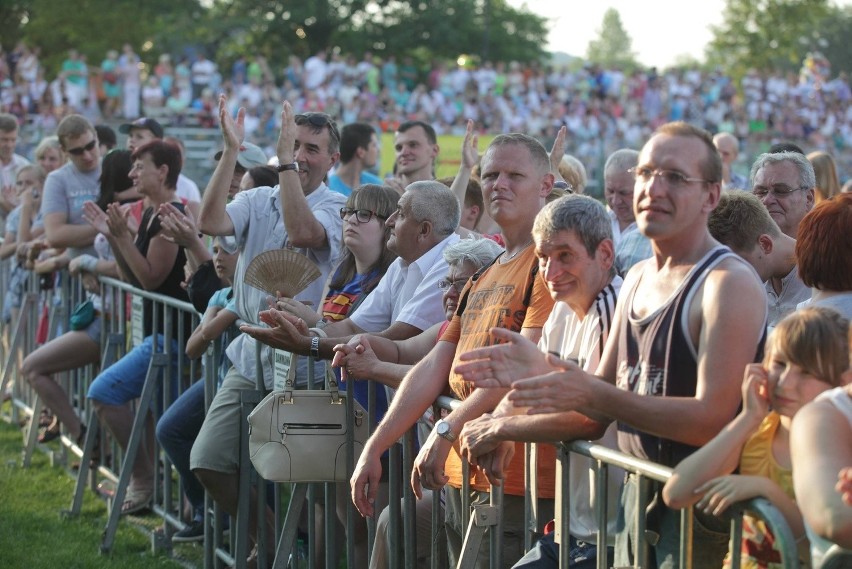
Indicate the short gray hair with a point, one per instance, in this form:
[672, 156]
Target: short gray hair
[621, 160]
[478, 251]
[582, 214]
[807, 177]
[434, 202]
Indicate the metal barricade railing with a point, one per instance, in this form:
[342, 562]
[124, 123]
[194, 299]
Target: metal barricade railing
[837, 558]
[402, 540]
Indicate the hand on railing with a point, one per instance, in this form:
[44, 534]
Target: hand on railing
[356, 359]
[365, 482]
[500, 364]
[428, 471]
[724, 491]
[483, 448]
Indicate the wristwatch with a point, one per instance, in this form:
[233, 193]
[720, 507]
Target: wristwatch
[445, 431]
[292, 166]
[315, 347]
[561, 185]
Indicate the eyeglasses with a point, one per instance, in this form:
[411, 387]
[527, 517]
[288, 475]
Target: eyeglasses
[319, 120]
[457, 284]
[362, 215]
[81, 149]
[778, 190]
[672, 178]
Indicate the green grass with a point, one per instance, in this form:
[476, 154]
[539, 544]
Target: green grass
[34, 535]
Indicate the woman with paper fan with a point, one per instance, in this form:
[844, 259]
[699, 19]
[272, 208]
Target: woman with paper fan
[364, 262]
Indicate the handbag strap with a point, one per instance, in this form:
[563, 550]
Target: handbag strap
[331, 384]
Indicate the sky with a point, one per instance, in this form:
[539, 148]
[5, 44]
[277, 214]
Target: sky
[660, 29]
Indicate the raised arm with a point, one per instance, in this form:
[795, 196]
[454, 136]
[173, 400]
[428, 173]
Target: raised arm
[722, 454]
[303, 229]
[213, 219]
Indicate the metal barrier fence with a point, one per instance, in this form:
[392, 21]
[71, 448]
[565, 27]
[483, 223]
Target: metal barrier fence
[123, 323]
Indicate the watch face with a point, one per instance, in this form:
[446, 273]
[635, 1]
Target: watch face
[443, 428]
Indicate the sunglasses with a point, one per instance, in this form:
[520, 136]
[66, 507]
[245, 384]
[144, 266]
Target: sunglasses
[81, 149]
[319, 120]
[362, 215]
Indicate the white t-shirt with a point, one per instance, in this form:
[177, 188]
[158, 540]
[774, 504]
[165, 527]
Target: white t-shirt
[583, 341]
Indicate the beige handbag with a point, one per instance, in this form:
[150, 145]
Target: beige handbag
[300, 435]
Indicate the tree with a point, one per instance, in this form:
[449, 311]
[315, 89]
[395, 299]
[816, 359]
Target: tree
[764, 34]
[833, 40]
[613, 47]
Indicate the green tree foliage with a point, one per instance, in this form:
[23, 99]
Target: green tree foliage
[833, 39]
[94, 26]
[765, 34]
[226, 29]
[613, 46]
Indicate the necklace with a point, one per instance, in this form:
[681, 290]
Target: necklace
[515, 254]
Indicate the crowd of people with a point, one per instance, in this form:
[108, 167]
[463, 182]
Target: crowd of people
[603, 108]
[690, 320]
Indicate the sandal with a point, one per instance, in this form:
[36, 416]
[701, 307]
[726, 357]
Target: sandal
[136, 501]
[50, 432]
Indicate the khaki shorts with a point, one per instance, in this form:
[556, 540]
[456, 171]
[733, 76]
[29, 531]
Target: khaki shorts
[217, 446]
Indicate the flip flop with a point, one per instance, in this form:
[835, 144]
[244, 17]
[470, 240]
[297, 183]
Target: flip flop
[136, 501]
[50, 432]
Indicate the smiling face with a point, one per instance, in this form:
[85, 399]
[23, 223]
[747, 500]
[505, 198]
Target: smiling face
[789, 209]
[665, 211]
[512, 187]
[311, 152]
[572, 275]
[147, 177]
[414, 153]
[790, 386]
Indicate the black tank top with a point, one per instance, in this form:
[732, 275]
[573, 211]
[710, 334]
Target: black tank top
[656, 358]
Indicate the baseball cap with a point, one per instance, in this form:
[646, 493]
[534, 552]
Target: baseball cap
[250, 156]
[149, 124]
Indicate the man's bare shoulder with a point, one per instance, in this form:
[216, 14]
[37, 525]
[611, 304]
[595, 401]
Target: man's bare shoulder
[735, 274]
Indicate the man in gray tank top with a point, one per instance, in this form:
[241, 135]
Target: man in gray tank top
[688, 321]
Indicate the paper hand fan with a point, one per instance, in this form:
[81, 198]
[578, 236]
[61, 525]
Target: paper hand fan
[282, 270]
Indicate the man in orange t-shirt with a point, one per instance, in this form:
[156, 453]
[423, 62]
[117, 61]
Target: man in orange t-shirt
[516, 178]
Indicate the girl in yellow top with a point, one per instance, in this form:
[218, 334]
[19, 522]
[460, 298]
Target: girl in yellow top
[805, 355]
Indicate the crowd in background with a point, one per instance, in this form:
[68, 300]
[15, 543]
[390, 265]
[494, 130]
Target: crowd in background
[604, 109]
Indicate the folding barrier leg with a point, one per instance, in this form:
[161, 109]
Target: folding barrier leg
[83, 473]
[11, 365]
[114, 343]
[284, 551]
[32, 433]
[484, 516]
[249, 399]
[159, 362]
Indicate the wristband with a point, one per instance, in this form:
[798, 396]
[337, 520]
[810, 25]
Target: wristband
[315, 347]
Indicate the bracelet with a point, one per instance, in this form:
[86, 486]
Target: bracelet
[315, 347]
[319, 332]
